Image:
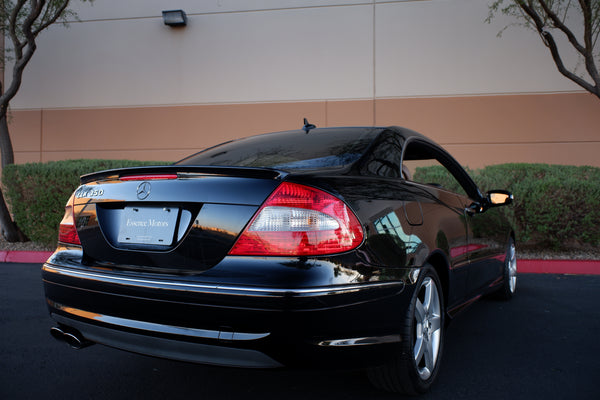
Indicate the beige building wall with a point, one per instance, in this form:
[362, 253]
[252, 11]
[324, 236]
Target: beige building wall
[477, 130]
[120, 84]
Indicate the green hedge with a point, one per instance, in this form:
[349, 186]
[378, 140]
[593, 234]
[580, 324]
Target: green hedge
[556, 206]
[37, 192]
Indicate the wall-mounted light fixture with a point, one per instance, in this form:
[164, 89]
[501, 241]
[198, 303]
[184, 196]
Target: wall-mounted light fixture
[174, 18]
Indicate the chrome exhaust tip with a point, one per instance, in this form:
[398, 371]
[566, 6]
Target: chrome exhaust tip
[57, 333]
[76, 341]
[71, 337]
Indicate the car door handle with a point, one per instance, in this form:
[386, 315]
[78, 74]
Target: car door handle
[474, 208]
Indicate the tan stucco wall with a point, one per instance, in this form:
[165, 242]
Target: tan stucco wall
[477, 130]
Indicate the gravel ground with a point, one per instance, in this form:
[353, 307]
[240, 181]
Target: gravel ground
[589, 254]
[22, 246]
[575, 254]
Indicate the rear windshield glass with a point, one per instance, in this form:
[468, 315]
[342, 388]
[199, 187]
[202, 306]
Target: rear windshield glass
[322, 148]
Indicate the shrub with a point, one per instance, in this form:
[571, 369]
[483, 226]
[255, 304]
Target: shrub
[37, 192]
[555, 206]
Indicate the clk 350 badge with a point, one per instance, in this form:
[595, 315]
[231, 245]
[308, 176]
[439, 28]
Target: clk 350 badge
[86, 191]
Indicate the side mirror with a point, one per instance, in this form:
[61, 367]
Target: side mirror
[499, 198]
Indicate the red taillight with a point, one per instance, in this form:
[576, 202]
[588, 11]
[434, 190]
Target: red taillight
[67, 232]
[298, 220]
[149, 177]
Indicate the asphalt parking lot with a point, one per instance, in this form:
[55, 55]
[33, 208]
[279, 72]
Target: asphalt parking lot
[541, 345]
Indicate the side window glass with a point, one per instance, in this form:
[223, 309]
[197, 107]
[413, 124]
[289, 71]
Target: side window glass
[422, 165]
[384, 159]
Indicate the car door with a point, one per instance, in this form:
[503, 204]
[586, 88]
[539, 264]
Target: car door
[444, 225]
[488, 235]
[486, 230]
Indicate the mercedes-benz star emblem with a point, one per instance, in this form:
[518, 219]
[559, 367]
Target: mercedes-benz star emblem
[143, 190]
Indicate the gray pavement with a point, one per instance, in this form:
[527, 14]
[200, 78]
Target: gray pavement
[541, 345]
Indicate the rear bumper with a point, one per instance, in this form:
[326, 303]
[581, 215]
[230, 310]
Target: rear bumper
[145, 342]
[231, 325]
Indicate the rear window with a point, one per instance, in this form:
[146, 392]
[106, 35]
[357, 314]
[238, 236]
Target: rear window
[321, 148]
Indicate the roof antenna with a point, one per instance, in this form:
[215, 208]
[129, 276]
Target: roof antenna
[307, 127]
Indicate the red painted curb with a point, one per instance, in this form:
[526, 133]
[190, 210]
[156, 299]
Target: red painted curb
[576, 267]
[24, 256]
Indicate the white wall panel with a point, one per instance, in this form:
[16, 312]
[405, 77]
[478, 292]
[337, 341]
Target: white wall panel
[115, 9]
[443, 47]
[296, 54]
[123, 55]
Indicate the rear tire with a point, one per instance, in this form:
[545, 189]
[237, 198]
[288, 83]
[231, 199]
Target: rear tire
[413, 370]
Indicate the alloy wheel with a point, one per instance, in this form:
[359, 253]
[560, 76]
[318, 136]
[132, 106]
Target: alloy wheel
[512, 268]
[428, 328]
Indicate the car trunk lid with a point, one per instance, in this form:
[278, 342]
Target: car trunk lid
[178, 219]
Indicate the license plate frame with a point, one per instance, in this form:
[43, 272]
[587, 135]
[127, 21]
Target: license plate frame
[148, 225]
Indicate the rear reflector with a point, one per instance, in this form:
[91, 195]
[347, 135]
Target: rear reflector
[298, 220]
[149, 177]
[67, 232]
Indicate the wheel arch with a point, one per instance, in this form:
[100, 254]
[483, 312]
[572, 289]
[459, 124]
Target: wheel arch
[440, 263]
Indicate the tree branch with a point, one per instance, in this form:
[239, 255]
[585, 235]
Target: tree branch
[560, 25]
[590, 65]
[564, 17]
[46, 10]
[595, 23]
[21, 58]
[53, 19]
[34, 13]
[563, 70]
[551, 44]
[12, 28]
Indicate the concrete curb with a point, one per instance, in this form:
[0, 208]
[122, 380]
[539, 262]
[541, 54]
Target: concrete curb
[575, 267]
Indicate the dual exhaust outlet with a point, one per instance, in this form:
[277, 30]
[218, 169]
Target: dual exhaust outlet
[71, 337]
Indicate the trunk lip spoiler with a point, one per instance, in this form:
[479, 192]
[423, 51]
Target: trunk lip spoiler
[187, 171]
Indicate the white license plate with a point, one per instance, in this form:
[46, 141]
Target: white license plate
[148, 225]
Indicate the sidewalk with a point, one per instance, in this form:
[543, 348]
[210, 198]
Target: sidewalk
[574, 267]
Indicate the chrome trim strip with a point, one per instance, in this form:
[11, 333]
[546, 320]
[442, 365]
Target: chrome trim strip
[363, 341]
[170, 348]
[234, 290]
[154, 327]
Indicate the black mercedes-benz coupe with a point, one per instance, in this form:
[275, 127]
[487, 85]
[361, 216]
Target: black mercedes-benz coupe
[311, 248]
